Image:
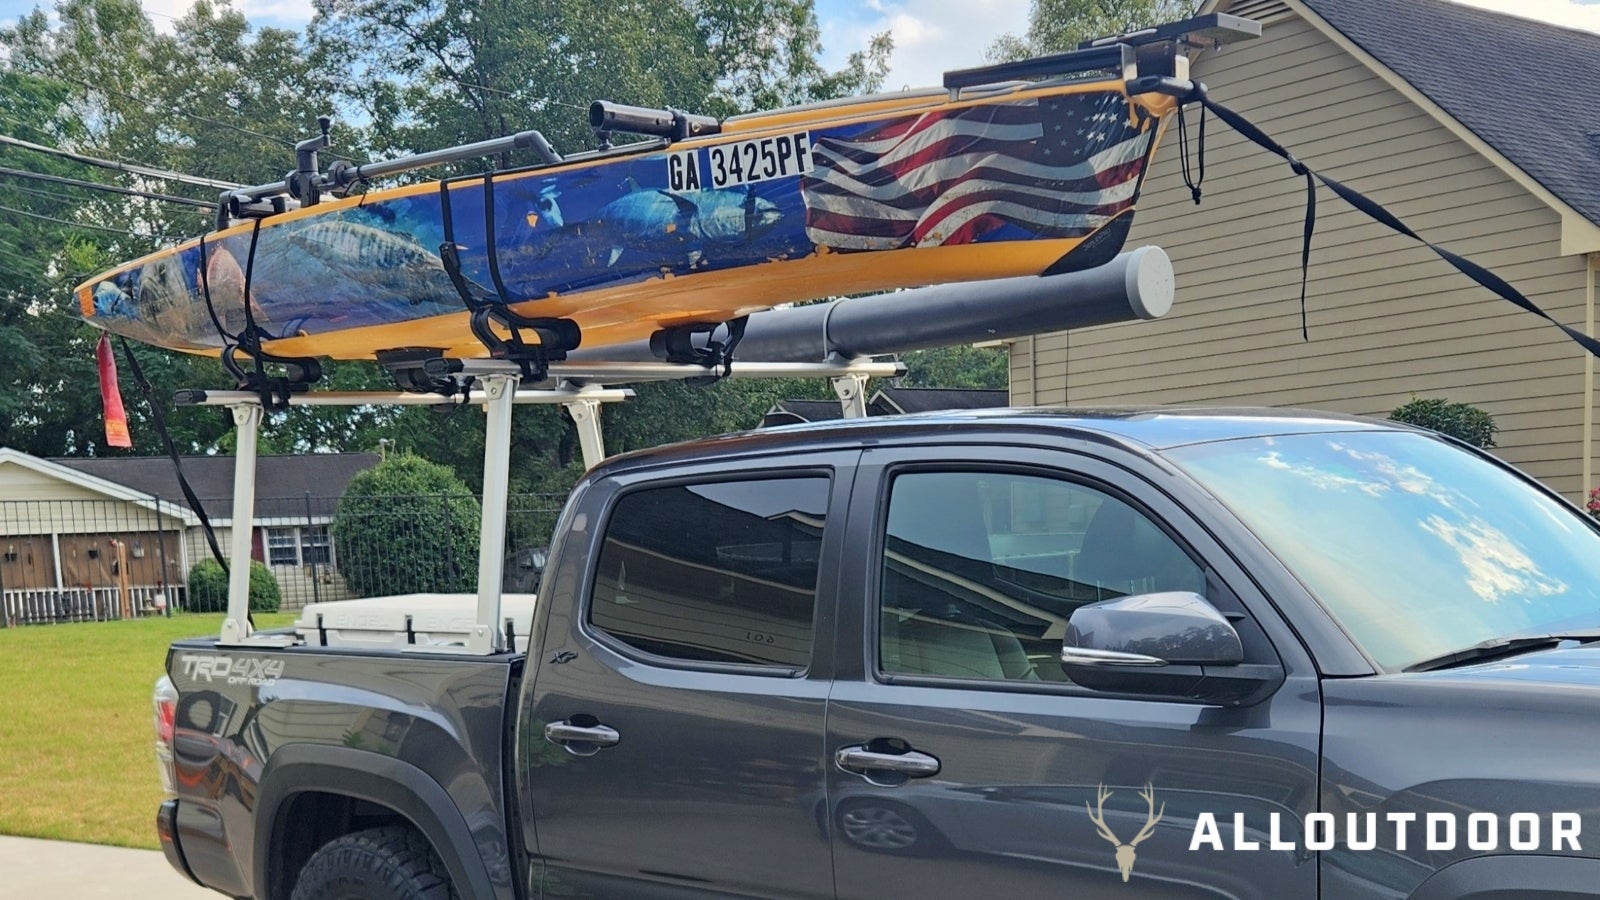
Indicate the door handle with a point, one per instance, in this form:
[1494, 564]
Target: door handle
[581, 740]
[911, 763]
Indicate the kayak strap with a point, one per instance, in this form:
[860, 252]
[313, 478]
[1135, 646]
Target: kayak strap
[1195, 92]
[275, 390]
[490, 311]
[698, 345]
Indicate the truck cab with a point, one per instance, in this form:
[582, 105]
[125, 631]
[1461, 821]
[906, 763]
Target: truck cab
[1221, 653]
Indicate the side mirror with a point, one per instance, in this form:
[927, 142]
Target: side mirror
[1171, 644]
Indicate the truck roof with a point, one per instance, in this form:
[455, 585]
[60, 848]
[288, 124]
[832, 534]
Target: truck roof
[1148, 428]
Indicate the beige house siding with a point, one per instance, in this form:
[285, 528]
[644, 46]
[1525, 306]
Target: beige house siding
[1387, 318]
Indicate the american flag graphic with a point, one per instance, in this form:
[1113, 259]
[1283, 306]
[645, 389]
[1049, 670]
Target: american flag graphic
[1055, 167]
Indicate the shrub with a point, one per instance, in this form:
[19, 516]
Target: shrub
[407, 525]
[1462, 421]
[208, 588]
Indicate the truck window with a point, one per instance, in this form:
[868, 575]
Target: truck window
[717, 572]
[981, 570]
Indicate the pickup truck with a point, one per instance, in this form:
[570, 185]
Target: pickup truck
[1227, 653]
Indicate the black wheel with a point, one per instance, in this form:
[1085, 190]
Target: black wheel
[380, 864]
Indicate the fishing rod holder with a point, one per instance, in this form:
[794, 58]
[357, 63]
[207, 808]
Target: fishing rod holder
[1152, 51]
[672, 124]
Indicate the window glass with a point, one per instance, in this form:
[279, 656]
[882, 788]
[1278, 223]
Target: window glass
[721, 572]
[314, 545]
[981, 571]
[281, 547]
[1416, 547]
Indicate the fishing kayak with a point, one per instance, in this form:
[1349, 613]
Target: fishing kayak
[876, 193]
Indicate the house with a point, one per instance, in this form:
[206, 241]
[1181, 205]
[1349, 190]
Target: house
[1480, 130]
[117, 530]
[887, 401]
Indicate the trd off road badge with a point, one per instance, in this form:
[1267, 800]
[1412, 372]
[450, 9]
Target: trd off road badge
[1125, 851]
[249, 670]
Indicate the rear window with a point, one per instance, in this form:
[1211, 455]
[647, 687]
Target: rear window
[720, 572]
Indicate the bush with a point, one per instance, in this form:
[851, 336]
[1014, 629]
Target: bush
[1462, 421]
[208, 588]
[407, 525]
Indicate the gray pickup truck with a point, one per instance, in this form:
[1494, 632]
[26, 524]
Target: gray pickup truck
[1020, 654]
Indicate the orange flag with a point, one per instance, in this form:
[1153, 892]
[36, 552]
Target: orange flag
[111, 396]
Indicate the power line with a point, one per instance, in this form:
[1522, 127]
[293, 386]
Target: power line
[131, 168]
[110, 189]
[42, 216]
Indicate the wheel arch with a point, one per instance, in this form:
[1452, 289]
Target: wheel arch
[410, 794]
[1513, 877]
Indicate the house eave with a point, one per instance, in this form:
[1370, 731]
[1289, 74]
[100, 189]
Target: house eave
[1579, 234]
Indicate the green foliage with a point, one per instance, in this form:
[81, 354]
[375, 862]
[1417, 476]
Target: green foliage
[1462, 421]
[1056, 26]
[208, 588]
[962, 366]
[407, 525]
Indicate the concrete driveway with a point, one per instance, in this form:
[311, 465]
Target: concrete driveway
[57, 870]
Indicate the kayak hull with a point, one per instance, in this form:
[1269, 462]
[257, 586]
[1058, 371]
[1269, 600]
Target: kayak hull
[774, 210]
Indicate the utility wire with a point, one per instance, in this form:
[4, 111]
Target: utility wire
[43, 217]
[110, 189]
[131, 168]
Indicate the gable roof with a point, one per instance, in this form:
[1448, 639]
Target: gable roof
[1526, 88]
[917, 400]
[112, 489]
[281, 481]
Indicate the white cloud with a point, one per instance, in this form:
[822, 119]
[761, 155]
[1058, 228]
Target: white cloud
[931, 37]
[934, 36]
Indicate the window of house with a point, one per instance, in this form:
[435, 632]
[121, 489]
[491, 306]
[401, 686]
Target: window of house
[282, 545]
[314, 545]
[719, 572]
[981, 570]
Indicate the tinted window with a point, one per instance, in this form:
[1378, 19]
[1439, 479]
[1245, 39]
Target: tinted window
[1418, 548]
[982, 570]
[723, 572]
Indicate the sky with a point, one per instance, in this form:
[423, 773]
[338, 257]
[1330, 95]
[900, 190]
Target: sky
[931, 36]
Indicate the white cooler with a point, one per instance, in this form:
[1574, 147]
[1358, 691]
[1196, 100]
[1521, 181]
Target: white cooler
[437, 620]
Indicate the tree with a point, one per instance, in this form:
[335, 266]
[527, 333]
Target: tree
[208, 588]
[961, 366]
[407, 525]
[1462, 421]
[1056, 26]
[213, 98]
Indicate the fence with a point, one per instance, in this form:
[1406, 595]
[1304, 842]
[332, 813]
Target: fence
[84, 560]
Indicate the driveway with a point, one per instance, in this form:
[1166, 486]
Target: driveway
[57, 870]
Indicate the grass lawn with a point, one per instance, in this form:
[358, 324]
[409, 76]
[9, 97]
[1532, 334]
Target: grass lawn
[76, 758]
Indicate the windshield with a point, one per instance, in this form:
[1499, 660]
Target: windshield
[1416, 547]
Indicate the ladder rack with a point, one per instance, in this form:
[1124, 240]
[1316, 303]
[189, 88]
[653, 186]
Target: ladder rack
[579, 387]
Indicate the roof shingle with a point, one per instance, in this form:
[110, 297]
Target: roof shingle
[1527, 88]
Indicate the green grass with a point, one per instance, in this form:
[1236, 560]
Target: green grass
[76, 758]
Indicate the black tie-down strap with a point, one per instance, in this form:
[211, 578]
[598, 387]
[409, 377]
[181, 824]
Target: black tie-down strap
[489, 309]
[1376, 210]
[160, 422]
[698, 345]
[299, 372]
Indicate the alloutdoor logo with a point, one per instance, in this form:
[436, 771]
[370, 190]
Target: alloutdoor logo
[1398, 831]
[248, 670]
[1125, 851]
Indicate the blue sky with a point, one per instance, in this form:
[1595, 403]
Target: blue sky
[931, 36]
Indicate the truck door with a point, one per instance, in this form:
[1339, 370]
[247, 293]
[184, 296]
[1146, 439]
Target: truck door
[967, 764]
[672, 737]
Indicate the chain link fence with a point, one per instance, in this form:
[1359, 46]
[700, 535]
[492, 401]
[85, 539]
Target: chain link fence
[94, 560]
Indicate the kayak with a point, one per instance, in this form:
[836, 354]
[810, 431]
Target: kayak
[845, 197]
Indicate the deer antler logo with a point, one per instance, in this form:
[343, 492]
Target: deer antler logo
[1125, 852]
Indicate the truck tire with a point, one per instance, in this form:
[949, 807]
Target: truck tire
[393, 863]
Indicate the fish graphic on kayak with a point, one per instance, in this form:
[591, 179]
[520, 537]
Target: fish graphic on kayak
[313, 267]
[683, 227]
